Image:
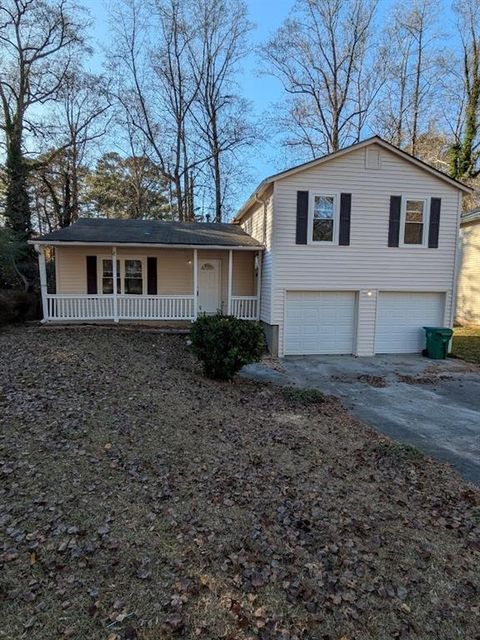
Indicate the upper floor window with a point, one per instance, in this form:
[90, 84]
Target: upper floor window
[324, 216]
[414, 221]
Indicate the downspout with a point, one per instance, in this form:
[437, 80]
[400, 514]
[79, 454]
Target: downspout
[260, 257]
[456, 262]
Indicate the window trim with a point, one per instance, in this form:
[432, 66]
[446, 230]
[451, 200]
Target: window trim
[426, 221]
[336, 217]
[121, 259]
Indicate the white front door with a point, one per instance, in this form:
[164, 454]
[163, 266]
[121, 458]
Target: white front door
[208, 286]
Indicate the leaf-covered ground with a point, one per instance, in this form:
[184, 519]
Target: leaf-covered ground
[140, 500]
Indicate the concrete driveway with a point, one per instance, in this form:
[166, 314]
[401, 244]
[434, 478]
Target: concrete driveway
[432, 405]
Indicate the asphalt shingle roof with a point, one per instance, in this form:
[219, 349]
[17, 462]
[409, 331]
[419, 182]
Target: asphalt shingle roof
[112, 231]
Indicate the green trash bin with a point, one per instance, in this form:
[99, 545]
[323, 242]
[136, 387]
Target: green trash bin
[438, 339]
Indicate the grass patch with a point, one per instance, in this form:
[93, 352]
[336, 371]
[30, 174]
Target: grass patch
[396, 450]
[466, 344]
[305, 397]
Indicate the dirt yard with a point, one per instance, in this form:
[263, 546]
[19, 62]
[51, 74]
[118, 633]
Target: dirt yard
[140, 500]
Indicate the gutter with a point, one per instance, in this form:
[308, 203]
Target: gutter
[151, 245]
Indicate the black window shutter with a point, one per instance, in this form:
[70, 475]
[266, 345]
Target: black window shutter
[394, 225]
[92, 274]
[152, 276]
[345, 214]
[302, 217]
[434, 226]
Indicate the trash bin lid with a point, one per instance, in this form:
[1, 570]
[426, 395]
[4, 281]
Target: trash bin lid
[444, 330]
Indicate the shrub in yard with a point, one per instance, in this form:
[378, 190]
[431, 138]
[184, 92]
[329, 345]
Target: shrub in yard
[225, 344]
[16, 306]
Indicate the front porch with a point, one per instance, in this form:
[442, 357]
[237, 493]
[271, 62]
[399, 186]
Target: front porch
[115, 284]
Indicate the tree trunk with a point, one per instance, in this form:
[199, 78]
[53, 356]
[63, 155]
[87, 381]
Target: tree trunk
[416, 95]
[17, 200]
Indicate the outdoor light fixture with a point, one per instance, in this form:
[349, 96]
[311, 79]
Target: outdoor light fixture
[369, 293]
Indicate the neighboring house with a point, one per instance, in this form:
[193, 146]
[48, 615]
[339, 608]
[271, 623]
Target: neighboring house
[468, 283]
[359, 251]
[350, 253]
[138, 270]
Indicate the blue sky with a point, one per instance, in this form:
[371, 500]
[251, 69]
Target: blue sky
[261, 90]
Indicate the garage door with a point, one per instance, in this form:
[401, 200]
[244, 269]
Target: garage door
[401, 318]
[319, 322]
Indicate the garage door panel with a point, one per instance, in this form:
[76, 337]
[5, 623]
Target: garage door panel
[319, 322]
[401, 317]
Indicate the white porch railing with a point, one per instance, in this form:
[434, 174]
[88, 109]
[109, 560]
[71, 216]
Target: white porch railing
[132, 307]
[79, 307]
[245, 307]
[155, 307]
[102, 307]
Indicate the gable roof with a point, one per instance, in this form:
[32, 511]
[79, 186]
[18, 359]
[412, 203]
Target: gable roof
[152, 232]
[470, 216]
[337, 154]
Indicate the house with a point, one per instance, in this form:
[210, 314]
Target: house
[360, 250]
[140, 270]
[352, 253]
[468, 283]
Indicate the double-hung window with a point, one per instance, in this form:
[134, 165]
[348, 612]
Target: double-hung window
[323, 217]
[107, 276]
[131, 276]
[414, 221]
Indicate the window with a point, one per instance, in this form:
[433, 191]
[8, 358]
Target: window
[107, 276]
[323, 219]
[130, 276]
[414, 222]
[133, 277]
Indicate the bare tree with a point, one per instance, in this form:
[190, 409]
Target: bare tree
[220, 115]
[320, 54]
[37, 43]
[80, 119]
[155, 86]
[413, 70]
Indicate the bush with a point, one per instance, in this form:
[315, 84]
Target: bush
[225, 344]
[17, 306]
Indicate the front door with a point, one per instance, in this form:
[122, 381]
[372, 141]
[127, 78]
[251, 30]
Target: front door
[208, 286]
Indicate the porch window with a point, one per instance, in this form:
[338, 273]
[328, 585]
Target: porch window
[107, 276]
[131, 275]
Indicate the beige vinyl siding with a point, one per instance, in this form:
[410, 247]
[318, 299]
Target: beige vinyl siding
[468, 288]
[174, 269]
[259, 224]
[71, 269]
[174, 273]
[367, 263]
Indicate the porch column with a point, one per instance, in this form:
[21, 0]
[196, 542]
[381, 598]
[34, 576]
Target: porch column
[259, 282]
[195, 284]
[114, 275]
[229, 293]
[43, 280]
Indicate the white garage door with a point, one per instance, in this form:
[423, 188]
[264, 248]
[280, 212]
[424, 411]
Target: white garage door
[319, 322]
[401, 318]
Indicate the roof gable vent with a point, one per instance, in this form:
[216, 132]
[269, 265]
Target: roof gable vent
[372, 158]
